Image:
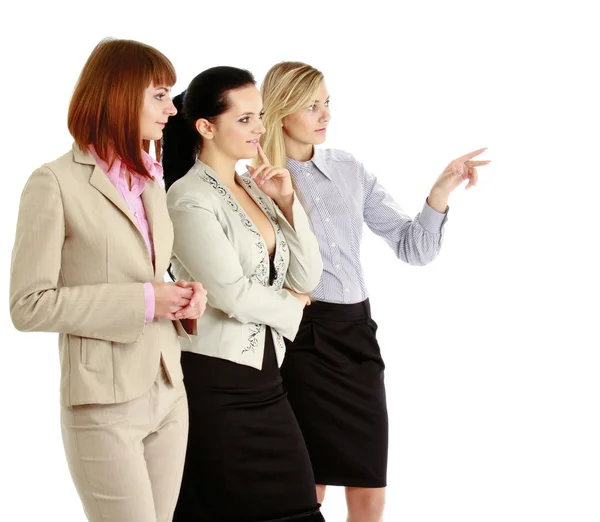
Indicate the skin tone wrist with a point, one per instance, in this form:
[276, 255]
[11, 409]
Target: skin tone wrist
[286, 202]
[438, 199]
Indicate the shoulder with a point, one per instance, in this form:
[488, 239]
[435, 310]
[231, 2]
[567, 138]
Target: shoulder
[196, 188]
[66, 162]
[54, 173]
[338, 163]
[338, 160]
[63, 167]
[336, 155]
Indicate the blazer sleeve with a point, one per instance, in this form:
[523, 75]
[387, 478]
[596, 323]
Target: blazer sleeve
[306, 265]
[206, 253]
[111, 312]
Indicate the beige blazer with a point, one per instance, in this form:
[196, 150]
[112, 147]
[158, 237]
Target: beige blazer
[78, 267]
[218, 245]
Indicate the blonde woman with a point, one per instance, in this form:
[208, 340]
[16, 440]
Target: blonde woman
[333, 370]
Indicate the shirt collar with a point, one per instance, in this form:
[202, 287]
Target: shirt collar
[318, 160]
[153, 167]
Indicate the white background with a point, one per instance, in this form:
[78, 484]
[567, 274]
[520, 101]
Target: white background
[492, 357]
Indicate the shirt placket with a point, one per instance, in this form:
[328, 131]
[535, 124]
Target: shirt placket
[329, 227]
[134, 203]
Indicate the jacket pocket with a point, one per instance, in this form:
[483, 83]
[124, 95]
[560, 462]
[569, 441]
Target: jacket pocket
[96, 354]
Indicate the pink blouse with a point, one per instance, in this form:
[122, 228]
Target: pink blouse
[135, 204]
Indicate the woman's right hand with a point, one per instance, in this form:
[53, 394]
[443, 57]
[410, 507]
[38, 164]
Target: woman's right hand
[169, 298]
[303, 298]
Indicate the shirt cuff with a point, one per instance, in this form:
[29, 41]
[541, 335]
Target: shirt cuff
[432, 220]
[150, 304]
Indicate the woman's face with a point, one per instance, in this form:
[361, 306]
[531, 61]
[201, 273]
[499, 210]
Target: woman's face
[156, 110]
[308, 126]
[237, 131]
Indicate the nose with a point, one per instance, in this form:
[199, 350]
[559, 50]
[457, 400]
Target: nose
[171, 110]
[325, 115]
[261, 129]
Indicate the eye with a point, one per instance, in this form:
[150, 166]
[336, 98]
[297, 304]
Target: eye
[327, 103]
[160, 96]
[261, 114]
[244, 119]
[311, 107]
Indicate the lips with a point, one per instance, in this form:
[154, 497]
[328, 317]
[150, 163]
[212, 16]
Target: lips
[321, 130]
[253, 142]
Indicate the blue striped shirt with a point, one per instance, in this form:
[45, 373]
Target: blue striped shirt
[340, 195]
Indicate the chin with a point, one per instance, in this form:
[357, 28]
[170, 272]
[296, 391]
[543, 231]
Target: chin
[252, 152]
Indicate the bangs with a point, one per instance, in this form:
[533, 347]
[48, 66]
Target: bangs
[306, 89]
[160, 69]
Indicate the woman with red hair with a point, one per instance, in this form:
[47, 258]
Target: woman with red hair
[93, 243]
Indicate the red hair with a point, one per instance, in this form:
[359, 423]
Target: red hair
[106, 106]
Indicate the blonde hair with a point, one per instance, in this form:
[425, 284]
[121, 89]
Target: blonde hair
[287, 87]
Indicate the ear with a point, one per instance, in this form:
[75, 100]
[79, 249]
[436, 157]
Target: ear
[205, 129]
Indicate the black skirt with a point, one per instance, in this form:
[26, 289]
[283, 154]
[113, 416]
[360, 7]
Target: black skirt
[334, 375]
[246, 459]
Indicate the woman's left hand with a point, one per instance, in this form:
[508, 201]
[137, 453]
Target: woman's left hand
[457, 171]
[275, 182]
[197, 304]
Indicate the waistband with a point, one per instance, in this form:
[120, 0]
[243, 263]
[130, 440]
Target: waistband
[338, 311]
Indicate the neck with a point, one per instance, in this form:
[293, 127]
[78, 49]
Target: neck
[298, 151]
[221, 164]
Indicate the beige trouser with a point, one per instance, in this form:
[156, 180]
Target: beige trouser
[126, 459]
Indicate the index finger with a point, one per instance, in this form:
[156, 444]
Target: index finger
[472, 154]
[262, 155]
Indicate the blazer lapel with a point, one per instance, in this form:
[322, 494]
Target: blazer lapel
[249, 187]
[246, 184]
[214, 180]
[100, 181]
[154, 199]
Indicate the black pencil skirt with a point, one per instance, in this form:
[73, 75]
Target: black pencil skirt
[246, 459]
[334, 375]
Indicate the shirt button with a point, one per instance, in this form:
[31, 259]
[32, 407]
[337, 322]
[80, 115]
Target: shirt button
[318, 198]
[337, 266]
[307, 173]
[327, 220]
[332, 244]
[347, 290]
